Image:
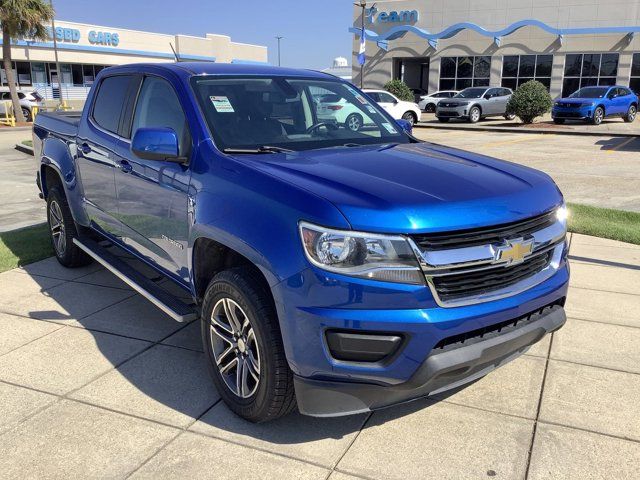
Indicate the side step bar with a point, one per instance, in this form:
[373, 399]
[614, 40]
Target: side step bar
[162, 299]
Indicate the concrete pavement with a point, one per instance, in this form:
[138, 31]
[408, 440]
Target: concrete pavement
[19, 202]
[95, 382]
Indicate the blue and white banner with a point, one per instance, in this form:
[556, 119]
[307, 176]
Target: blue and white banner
[361, 53]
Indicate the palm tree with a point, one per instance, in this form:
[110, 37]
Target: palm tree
[21, 18]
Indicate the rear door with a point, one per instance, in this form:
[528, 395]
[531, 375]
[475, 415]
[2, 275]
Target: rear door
[96, 158]
[153, 198]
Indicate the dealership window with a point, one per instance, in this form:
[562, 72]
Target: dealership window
[519, 69]
[38, 73]
[589, 69]
[635, 74]
[76, 75]
[458, 73]
[88, 75]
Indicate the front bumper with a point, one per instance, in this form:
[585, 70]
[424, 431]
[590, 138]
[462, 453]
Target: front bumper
[451, 112]
[583, 113]
[443, 369]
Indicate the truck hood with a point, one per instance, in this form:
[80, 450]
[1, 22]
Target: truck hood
[413, 188]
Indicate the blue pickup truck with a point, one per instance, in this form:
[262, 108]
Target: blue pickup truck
[334, 270]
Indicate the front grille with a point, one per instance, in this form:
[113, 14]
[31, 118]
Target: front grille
[490, 331]
[465, 284]
[484, 236]
[449, 105]
[569, 105]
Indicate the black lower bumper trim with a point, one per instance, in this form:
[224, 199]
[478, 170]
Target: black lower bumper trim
[440, 372]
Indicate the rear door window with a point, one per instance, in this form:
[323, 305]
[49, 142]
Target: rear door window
[109, 102]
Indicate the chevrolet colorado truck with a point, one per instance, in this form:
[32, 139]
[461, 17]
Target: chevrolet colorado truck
[334, 270]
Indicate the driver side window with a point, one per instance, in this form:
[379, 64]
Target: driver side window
[158, 106]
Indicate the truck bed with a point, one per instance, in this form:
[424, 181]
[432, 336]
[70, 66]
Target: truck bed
[62, 124]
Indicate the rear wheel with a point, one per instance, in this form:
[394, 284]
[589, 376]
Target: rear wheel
[242, 342]
[598, 116]
[430, 108]
[26, 113]
[63, 230]
[353, 122]
[474, 115]
[631, 114]
[410, 117]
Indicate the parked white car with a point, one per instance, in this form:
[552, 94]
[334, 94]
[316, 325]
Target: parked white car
[333, 108]
[397, 108]
[28, 100]
[428, 103]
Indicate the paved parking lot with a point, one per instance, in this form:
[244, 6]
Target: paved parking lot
[96, 383]
[600, 171]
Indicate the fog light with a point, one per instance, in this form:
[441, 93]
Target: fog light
[361, 347]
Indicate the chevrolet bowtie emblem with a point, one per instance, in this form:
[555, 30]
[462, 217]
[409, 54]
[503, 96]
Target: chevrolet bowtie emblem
[514, 251]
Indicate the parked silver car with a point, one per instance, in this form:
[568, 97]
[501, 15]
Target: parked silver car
[475, 103]
[28, 100]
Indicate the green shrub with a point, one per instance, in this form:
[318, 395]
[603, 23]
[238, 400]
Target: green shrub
[529, 101]
[400, 90]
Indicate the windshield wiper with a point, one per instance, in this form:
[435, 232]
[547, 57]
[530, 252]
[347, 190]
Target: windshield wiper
[262, 149]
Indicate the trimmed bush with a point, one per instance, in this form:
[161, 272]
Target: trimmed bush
[529, 101]
[400, 90]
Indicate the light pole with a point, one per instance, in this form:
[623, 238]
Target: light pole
[279, 38]
[363, 5]
[55, 52]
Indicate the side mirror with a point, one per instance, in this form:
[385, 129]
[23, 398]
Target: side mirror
[156, 144]
[405, 125]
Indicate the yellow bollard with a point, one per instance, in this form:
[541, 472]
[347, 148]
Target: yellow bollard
[34, 112]
[9, 118]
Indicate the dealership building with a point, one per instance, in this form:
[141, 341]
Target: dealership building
[84, 50]
[437, 44]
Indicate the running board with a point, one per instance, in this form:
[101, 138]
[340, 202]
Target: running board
[172, 306]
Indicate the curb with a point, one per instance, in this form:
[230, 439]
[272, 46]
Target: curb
[15, 129]
[527, 130]
[24, 149]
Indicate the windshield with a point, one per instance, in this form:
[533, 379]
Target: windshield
[471, 93]
[590, 92]
[290, 113]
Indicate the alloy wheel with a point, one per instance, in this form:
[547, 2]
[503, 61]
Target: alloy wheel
[353, 122]
[409, 118]
[598, 115]
[235, 348]
[474, 115]
[56, 224]
[632, 113]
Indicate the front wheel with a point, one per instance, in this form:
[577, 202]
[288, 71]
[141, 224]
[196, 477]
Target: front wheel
[474, 115]
[598, 116]
[410, 117]
[242, 343]
[62, 229]
[631, 114]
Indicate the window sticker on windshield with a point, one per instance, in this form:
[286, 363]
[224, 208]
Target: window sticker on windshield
[221, 104]
[371, 109]
[361, 99]
[389, 128]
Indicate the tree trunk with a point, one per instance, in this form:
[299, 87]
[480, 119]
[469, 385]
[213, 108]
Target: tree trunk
[8, 70]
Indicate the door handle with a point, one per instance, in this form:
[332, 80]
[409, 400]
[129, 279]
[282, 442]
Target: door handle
[85, 148]
[125, 166]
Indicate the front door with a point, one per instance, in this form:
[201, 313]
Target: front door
[390, 104]
[153, 195]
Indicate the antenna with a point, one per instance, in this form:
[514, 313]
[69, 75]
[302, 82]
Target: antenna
[174, 52]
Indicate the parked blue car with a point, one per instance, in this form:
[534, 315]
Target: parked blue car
[339, 270]
[594, 104]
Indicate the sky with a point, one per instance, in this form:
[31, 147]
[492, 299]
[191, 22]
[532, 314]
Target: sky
[314, 32]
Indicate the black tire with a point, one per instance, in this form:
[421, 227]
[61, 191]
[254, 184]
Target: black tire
[475, 114]
[443, 119]
[273, 394]
[27, 114]
[353, 122]
[631, 114]
[598, 116]
[63, 229]
[430, 108]
[410, 117]
[559, 121]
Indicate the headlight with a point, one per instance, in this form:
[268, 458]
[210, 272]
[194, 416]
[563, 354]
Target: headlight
[557, 104]
[377, 257]
[562, 213]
